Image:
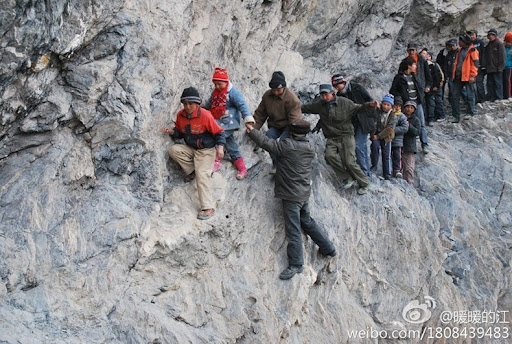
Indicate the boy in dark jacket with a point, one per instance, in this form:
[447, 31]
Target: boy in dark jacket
[401, 128]
[446, 63]
[431, 98]
[294, 158]
[409, 148]
[383, 135]
[407, 85]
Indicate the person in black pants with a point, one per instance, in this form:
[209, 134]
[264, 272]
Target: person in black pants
[294, 162]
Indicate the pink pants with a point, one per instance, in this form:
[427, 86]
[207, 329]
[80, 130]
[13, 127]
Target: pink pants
[408, 166]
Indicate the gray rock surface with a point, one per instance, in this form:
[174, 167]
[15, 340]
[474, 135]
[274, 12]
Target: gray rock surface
[98, 237]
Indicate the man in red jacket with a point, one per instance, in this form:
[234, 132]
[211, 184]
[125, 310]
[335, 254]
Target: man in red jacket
[204, 141]
[464, 73]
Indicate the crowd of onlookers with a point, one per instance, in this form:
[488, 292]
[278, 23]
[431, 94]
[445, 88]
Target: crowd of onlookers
[348, 116]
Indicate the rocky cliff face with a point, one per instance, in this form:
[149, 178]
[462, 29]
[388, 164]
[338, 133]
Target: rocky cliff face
[98, 237]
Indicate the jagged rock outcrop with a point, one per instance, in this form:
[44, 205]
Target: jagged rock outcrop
[98, 237]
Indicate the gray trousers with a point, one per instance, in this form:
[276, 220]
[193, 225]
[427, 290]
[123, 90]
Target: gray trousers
[296, 216]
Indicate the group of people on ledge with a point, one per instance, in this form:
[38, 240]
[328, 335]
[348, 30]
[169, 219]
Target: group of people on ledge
[349, 117]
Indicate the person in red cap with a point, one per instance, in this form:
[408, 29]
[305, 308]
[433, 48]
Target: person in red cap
[507, 72]
[228, 106]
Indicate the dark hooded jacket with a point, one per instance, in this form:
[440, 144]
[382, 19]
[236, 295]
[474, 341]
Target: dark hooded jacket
[399, 88]
[359, 95]
[411, 134]
[293, 165]
[494, 56]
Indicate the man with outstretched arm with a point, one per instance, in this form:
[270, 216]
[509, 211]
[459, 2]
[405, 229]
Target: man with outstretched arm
[336, 114]
[294, 162]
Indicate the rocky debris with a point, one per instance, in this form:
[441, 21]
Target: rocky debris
[98, 236]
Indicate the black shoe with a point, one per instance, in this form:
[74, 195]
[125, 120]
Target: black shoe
[290, 271]
[456, 120]
[387, 177]
[333, 253]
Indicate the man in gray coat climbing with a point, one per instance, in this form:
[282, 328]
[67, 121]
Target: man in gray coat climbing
[294, 162]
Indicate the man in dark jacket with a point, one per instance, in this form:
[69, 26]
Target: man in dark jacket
[424, 85]
[446, 63]
[363, 121]
[407, 86]
[336, 114]
[294, 162]
[480, 46]
[437, 81]
[494, 65]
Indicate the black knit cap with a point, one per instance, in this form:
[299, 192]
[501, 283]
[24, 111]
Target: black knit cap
[278, 80]
[411, 46]
[492, 32]
[465, 38]
[191, 95]
[398, 100]
[300, 126]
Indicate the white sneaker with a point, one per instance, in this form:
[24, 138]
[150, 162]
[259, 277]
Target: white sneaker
[348, 183]
[363, 190]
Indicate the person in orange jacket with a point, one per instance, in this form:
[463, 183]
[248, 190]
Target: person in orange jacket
[464, 73]
[204, 142]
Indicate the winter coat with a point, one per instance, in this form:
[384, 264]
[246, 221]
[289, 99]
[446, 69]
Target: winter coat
[336, 116]
[199, 130]
[422, 73]
[411, 134]
[279, 111]
[436, 73]
[294, 163]
[494, 56]
[401, 127]
[469, 65]
[446, 62]
[235, 106]
[480, 46]
[399, 88]
[385, 125]
[508, 60]
[359, 95]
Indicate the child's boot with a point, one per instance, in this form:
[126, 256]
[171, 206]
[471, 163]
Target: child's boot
[240, 166]
[216, 165]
